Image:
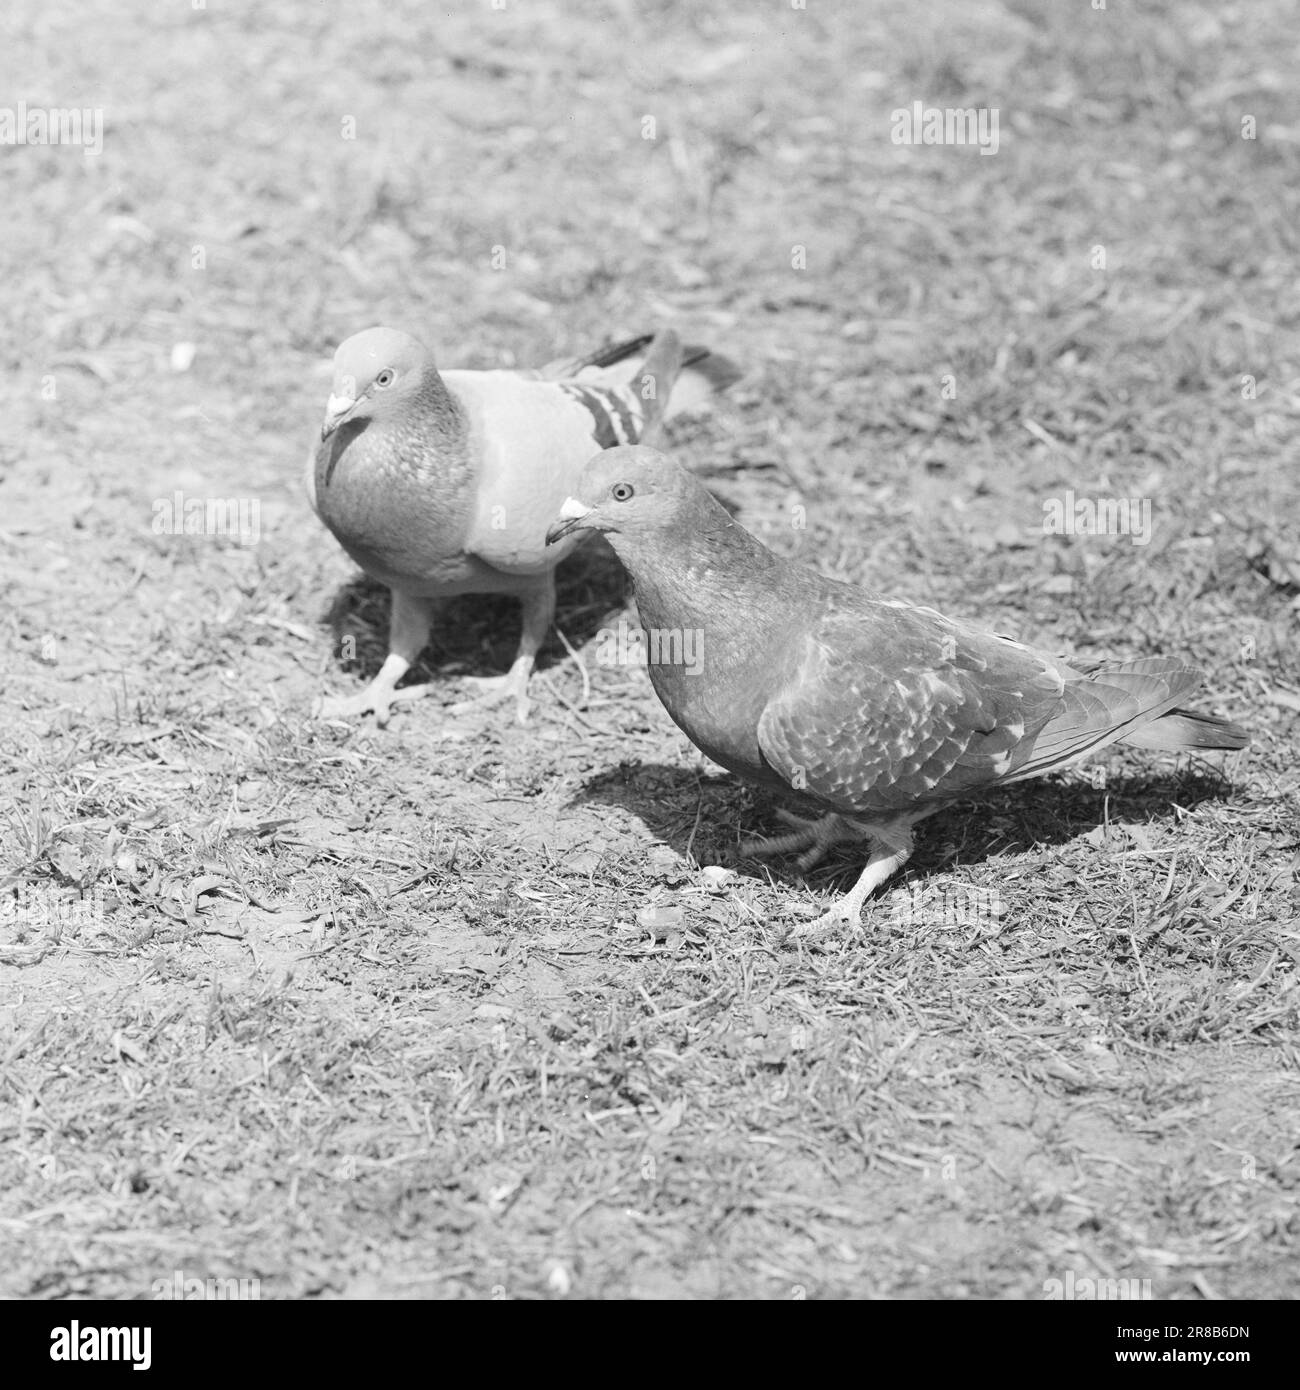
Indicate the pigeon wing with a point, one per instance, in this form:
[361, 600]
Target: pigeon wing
[892, 707]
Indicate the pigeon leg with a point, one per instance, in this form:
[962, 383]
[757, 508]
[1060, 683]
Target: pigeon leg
[813, 836]
[539, 610]
[891, 848]
[408, 633]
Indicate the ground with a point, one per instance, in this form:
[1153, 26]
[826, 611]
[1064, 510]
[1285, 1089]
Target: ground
[466, 1009]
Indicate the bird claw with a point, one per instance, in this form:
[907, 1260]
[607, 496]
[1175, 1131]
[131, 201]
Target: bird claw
[813, 836]
[840, 920]
[381, 702]
[495, 691]
[805, 834]
[891, 845]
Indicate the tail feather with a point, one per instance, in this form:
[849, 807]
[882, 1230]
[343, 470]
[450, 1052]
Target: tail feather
[703, 373]
[629, 390]
[597, 364]
[658, 376]
[1134, 702]
[1186, 729]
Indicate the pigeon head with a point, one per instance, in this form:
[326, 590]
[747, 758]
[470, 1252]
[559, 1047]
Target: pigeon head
[374, 372]
[630, 488]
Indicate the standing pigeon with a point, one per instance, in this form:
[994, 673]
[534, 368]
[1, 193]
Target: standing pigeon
[441, 483]
[874, 713]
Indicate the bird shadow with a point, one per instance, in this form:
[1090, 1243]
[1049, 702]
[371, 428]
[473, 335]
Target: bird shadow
[477, 633]
[703, 815]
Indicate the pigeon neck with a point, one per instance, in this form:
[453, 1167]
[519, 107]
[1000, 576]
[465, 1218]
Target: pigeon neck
[706, 569]
[437, 407]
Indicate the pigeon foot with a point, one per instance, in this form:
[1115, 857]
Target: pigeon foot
[891, 846]
[380, 701]
[496, 690]
[813, 835]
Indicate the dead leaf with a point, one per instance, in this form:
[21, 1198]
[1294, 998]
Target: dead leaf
[69, 863]
[494, 1012]
[124, 1047]
[660, 920]
[670, 1116]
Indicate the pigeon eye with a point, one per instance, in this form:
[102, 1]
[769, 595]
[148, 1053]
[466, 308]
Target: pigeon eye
[622, 492]
[385, 378]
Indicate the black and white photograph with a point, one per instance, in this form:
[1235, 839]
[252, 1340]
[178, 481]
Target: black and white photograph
[651, 652]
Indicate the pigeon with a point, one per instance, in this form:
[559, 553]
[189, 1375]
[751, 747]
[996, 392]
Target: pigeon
[439, 483]
[870, 712]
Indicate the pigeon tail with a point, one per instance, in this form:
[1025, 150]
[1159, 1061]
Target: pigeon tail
[1187, 730]
[1133, 702]
[704, 373]
[657, 380]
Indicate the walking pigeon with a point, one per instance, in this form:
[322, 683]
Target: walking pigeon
[440, 483]
[874, 713]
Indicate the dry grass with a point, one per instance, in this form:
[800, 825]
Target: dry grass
[452, 1009]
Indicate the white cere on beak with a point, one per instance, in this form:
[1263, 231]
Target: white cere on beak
[337, 406]
[573, 510]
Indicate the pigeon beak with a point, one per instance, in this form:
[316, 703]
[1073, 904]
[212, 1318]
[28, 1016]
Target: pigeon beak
[336, 411]
[572, 514]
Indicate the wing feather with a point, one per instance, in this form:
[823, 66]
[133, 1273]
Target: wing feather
[891, 707]
[896, 706]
